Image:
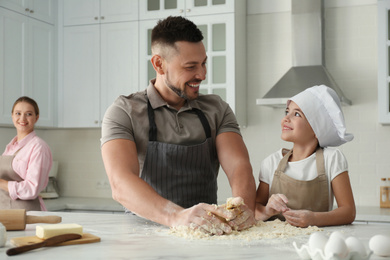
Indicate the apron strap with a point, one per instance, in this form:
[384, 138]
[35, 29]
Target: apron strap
[153, 127]
[283, 163]
[152, 123]
[203, 120]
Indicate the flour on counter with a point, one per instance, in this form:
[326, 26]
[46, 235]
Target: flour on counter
[262, 230]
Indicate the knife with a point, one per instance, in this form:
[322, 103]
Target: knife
[48, 242]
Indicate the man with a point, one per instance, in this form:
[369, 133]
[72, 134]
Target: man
[162, 147]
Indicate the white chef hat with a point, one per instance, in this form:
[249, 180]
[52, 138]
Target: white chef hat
[322, 108]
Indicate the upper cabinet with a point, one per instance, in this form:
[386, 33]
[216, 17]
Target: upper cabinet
[157, 9]
[79, 12]
[224, 39]
[43, 10]
[27, 64]
[384, 61]
[104, 52]
[99, 60]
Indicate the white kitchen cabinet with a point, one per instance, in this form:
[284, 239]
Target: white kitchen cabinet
[26, 64]
[384, 61]
[78, 12]
[157, 9]
[224, 39]
[43, 10]
[99, 64]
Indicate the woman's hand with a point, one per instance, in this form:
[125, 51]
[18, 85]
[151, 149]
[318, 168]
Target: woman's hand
[4, 185]
[299, 218]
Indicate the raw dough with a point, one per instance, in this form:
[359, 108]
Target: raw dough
[268, 229]
[262, 230]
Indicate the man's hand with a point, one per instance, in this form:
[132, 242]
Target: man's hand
[208, 218]
[242, 217]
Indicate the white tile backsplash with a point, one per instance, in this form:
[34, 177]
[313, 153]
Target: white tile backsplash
[350, 53]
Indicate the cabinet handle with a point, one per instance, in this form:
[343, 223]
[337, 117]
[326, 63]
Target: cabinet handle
[96, 122]
[27, 10]
[31, 11]
[96, 18]
[181, 10]
[188, 10]
[102, 17]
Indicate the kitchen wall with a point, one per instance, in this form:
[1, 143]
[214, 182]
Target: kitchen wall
[351, 59]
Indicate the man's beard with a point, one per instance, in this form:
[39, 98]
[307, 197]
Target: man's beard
[178, 91]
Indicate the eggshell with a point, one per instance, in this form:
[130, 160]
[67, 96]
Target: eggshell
[336, 246]
[355, 245]
[380, 245]
[338, 234]
[317, 240]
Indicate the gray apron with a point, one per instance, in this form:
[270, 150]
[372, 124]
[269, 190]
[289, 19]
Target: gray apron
[183, 174]
[311, 195]
[7, 173]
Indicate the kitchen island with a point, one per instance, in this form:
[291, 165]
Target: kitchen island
[131, 237]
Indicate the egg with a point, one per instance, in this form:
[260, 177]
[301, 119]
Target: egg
[380, 245]
[317, 240]
[336, 246]
[355, 245]
[338, 234]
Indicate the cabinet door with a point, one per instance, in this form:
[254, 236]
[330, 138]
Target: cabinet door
[118, 10]
[81, 74]
[157, 9]
[43, 10]
[384, 61]
[119, 61]
[77, 12]
[218, 33]
[12, 61]
[202, 7]
[83, 12]
[41, 73]
[146, 70]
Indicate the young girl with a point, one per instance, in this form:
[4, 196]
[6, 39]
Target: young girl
[299, 185]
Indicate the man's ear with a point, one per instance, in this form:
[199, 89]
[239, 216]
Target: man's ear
[157, 62]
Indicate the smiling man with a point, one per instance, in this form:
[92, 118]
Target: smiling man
[162, 147]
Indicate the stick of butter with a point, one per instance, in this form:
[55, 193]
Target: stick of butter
[47, 231]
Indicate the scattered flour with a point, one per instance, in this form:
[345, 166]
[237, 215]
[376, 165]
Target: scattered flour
[262, 230]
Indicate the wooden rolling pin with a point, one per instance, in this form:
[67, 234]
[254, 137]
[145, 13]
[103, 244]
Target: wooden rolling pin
[16, 219]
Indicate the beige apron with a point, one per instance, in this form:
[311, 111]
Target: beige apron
[7, 173]
[310, 195]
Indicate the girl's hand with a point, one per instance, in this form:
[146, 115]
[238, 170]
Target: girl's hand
[276, 204]
[299, 218]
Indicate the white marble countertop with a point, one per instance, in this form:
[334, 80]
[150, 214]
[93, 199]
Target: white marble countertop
[83, 204]
[364, 214]
[131, 237]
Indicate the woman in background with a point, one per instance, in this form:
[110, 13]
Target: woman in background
[26, 161]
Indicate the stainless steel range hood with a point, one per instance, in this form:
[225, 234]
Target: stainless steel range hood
[308, 56]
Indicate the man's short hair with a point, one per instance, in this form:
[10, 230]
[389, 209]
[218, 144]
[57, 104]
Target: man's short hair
[173, 29]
